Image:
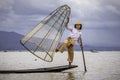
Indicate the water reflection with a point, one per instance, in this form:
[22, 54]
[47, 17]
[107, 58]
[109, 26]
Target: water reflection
[75, 76]
[70, 76]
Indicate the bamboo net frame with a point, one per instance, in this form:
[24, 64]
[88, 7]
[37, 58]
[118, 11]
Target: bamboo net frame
[44, 38]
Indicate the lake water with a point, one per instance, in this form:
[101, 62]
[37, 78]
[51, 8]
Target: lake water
[103, 65]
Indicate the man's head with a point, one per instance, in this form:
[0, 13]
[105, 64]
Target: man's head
[78, 25]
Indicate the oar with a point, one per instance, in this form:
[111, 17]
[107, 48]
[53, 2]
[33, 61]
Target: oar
[81, 46]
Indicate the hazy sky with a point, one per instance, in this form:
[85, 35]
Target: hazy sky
[100, 18]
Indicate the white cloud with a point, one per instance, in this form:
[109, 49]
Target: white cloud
[103, 15]
[113, 9]
[6, 4]
[33, 7]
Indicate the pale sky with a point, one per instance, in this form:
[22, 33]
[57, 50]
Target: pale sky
[100, 18]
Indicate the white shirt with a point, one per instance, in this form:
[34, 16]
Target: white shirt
[75, 34]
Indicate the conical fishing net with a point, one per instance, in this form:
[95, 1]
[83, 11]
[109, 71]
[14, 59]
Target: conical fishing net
[44, 38]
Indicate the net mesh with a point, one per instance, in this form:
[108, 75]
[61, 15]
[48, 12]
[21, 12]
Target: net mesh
[44, 38]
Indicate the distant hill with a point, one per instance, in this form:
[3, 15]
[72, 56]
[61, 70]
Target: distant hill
[11, 41]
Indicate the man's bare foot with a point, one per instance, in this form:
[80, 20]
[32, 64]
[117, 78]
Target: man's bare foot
[56, 50]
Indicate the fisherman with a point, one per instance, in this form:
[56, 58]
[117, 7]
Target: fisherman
[71, 40]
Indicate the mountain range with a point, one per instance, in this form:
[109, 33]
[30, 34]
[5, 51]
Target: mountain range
[11, 41]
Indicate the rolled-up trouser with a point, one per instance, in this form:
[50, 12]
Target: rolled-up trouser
[68, 43]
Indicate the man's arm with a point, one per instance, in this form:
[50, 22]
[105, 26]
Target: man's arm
[68, 19]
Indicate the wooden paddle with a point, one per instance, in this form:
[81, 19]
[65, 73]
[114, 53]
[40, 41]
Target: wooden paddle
[81, 46]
